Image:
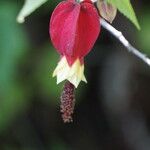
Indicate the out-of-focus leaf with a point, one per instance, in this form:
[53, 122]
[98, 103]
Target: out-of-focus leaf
[106, 10]
[125, 7]
[29, 7]
[58, 144]
[13, 43]
[12, 103]
[43, 74]
[144, 34]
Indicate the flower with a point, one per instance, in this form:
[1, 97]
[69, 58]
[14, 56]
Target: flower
[74, 28]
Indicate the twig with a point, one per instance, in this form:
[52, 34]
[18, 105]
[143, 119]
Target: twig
[124, 41]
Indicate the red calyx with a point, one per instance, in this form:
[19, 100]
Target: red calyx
[74, 28]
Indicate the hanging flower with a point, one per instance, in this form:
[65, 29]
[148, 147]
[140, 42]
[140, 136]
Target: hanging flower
[74, 28]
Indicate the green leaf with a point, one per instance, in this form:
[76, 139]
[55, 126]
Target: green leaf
[13, 46]
[29, 7]
[144, 34]
[43, 74]
[125, 7]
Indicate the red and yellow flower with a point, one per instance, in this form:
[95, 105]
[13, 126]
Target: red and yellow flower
[74, 28]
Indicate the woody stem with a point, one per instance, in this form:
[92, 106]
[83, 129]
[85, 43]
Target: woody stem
[124, 41]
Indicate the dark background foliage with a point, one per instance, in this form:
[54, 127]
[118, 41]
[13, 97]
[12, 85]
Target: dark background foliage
[112, 110]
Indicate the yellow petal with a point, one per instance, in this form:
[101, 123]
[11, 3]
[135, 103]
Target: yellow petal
[74, 73]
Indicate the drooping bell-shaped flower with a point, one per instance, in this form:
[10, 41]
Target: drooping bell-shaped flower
[74, 28]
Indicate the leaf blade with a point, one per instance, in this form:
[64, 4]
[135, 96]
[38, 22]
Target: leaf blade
[125, 7]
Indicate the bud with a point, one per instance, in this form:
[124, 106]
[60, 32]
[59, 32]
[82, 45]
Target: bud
[106, 10]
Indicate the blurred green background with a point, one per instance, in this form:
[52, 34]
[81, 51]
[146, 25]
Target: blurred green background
[112, 111]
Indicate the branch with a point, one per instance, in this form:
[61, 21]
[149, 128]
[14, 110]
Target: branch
[124, 41]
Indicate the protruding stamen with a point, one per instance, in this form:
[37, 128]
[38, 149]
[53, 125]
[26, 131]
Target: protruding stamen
[67, 102]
